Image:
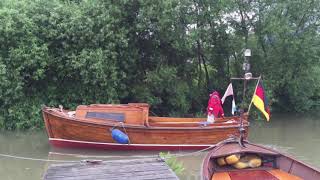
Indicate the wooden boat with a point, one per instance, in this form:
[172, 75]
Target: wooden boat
[265, 163]
[92, 125]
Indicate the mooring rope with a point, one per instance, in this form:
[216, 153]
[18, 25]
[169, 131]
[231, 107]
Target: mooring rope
[231, 139]
[103, 157]
[134, 156]
[192, 153]
[74, 161]
[69, 161]
[35, 159]
[125, 132]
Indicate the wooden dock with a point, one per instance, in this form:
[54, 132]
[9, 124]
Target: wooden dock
[138, 169]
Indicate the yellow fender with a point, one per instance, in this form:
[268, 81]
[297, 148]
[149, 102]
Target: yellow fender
[221, 161]
[232, 159]
[240, 165]
[255, 161]
[252, 161]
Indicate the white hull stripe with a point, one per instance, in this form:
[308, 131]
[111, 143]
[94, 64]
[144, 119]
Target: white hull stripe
[117, 144]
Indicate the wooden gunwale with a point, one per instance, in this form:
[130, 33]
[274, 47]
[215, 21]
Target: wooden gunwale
[174, 119]
[63, 117]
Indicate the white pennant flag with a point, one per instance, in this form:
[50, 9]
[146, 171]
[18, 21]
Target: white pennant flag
[228, 92]
[234, 108]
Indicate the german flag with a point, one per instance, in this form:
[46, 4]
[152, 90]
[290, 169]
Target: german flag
[260, 101]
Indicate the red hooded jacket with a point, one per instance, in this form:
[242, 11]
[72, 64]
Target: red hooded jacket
[214, 105]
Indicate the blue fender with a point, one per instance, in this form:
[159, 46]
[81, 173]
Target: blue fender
[119, 136]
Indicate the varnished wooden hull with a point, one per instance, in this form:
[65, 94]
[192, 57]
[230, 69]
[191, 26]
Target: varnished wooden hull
[76, 132]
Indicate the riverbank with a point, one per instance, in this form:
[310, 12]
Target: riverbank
[294, 134]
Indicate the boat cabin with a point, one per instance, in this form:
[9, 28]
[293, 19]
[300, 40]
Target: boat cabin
[137, 114]
[132, 113]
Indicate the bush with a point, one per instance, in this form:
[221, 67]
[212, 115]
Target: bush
[168, 53]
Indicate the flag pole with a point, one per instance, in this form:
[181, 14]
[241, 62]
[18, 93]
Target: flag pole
[254, 94]
[233, 100]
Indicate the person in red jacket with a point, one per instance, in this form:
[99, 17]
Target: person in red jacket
[214, 108]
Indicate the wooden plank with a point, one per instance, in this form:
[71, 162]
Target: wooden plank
[107, 168]
[92, 172]
[116, 176]
[138, 169]
[141, 175]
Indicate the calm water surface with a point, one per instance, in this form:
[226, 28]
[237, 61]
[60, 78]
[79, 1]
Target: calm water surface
[297, 135]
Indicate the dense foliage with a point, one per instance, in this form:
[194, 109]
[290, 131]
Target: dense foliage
[169, 53]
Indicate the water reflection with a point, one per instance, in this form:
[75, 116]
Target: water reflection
[31, 144]
[295, 134]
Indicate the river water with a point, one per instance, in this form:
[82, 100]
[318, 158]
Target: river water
[297, 135]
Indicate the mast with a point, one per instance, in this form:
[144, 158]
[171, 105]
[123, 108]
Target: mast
[246, 69]
[247, 74]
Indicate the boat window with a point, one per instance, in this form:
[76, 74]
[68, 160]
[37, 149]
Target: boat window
[103, 115]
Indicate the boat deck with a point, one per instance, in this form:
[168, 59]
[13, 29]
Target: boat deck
[138, 169]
